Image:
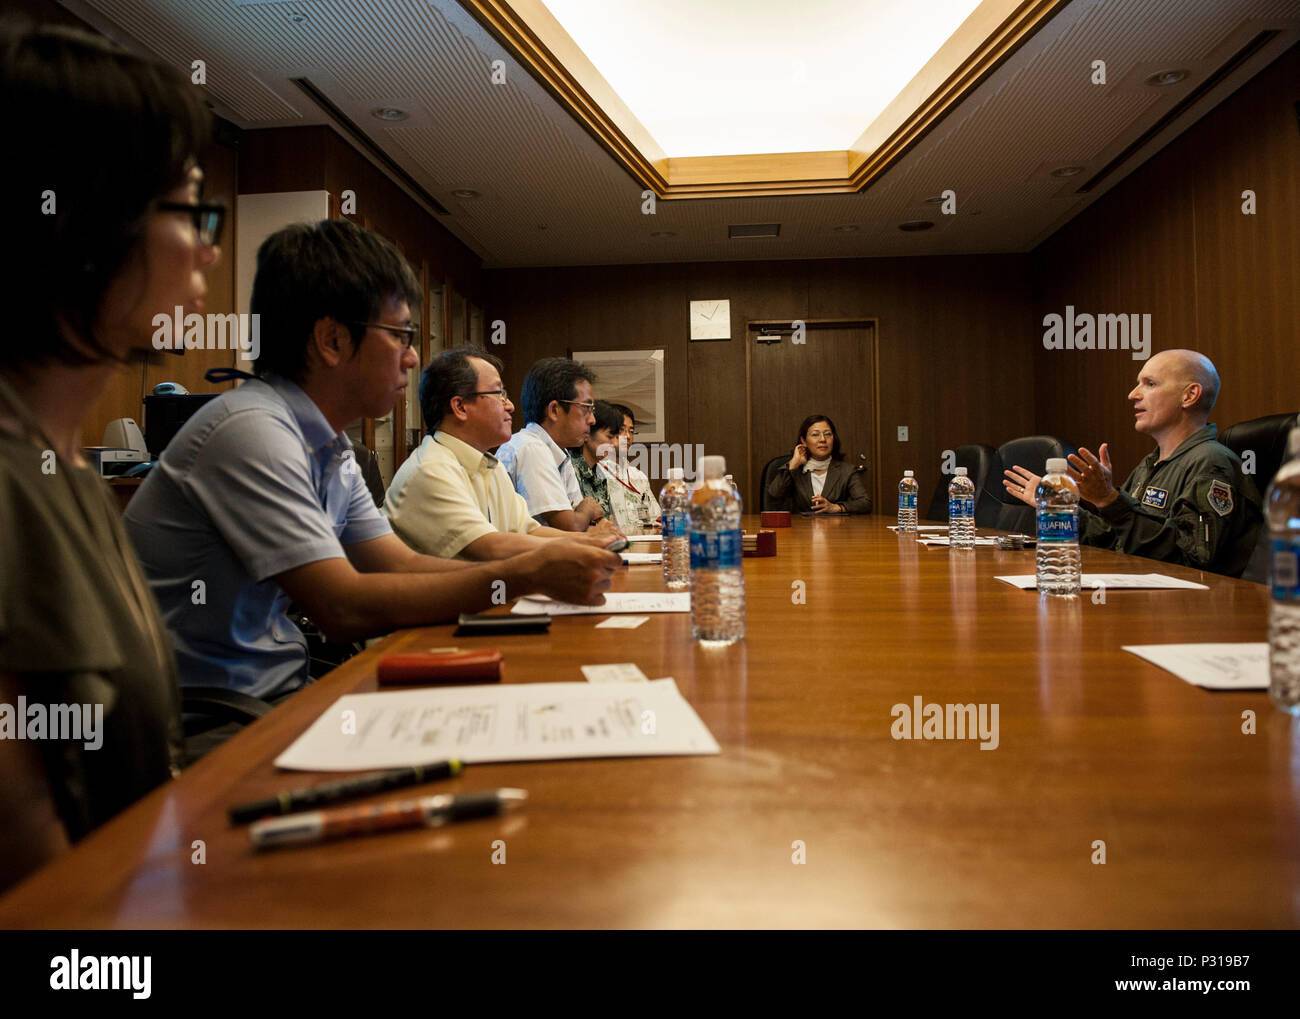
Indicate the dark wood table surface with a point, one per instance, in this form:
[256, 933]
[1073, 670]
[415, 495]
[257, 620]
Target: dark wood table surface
[1199, 820]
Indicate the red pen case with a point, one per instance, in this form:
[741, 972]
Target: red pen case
[431, 668]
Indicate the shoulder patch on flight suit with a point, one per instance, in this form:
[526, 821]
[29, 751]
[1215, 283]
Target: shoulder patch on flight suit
[1220, 497]
[1156, 497]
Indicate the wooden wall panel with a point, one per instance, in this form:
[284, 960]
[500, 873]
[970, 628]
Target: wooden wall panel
[310, 158]
[1172, 240]
[964, 320]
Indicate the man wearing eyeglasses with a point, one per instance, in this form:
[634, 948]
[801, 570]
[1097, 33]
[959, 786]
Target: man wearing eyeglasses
[557, 406]
[257, 500]
[452, 497]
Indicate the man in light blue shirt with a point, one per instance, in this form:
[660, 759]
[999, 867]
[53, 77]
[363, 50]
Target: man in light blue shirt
[258, 501]
[557, 407]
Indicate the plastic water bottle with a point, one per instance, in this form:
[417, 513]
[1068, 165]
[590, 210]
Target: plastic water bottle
[1282, 508]
[1058, 560]
[717, 578]
[907, 502]
[674, 501]
[961, 511]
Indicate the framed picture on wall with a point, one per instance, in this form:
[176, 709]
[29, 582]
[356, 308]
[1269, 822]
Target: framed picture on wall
[634, 378]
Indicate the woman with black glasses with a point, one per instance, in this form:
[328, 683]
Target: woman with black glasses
[110, 230]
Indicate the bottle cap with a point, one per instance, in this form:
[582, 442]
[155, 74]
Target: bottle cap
[961, 472]
[676, 473]
[907, 474]
[713, 466]
[1058, 465]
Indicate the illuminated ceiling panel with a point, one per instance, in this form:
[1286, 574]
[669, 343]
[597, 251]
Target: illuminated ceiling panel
[735, 77]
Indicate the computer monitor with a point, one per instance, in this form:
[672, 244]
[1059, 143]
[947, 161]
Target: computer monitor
[164, 415]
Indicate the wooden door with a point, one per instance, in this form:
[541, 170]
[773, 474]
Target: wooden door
[832, 372]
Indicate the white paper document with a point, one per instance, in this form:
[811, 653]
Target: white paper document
[1114, 582]
[645, 537]
[622, 672]
[642, 558]
[622, 622]
[945, 541]
[615, 601]
[923, 527]
[515, 722]
[1212, 666]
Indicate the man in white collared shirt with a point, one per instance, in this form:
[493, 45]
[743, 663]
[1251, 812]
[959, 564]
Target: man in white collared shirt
[557, 408]
[452, 497]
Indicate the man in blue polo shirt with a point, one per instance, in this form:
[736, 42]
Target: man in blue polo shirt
[258, 500]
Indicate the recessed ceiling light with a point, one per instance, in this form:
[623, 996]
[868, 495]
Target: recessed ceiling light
[846, 228]
[663, 233]
[466, 193]
[1067, 171]
[1172, 76]
[298, 18]
[913, 225]
[388, 113]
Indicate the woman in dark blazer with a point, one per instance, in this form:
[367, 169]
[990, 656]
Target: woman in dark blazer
[817, 476]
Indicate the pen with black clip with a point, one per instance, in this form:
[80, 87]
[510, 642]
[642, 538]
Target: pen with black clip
[345, 789]
[428, 811]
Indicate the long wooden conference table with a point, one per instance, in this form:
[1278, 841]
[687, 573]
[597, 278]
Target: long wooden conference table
[1199, 820]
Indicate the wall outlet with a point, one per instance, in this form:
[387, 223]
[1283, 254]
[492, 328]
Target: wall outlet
[902, 433]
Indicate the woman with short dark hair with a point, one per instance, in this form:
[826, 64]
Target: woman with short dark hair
[600, 441]
[816, 478]
[110, 229]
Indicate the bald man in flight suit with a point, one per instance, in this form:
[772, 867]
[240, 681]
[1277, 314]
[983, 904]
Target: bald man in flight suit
[1188, 501]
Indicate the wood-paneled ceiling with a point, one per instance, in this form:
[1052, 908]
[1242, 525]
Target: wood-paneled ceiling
[553, 191]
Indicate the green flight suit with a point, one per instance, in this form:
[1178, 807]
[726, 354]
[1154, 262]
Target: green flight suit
[1196, 509]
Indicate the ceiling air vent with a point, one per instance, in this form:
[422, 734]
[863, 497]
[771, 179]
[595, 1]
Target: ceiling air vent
[754, 230]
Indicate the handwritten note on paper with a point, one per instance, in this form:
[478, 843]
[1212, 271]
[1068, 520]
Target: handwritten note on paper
[1115, 582]
[1212, 666]
[635, 602]
[514, 722]
[944, 541]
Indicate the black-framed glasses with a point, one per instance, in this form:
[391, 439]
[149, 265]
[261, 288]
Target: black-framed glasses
[208, 218]
[406, 334]
[500, 394]
[589, 406]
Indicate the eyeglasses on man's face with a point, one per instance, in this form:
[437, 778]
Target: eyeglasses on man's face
[587, 407]
[500, 394]
[406, 335]
[208, 219]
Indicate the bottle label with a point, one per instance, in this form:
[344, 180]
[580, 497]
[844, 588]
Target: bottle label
[907, 500]
[1285, 582]
[1058, 525]
[715, 550]
[961, 506]
[674, 525]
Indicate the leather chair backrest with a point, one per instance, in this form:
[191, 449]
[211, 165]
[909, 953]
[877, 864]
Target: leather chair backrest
[1264, 437]
[765, 501]
[1032, 453]
[982, 466]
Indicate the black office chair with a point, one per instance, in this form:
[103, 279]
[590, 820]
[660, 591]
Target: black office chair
[765, 501]
[1266, 438]
[1032, 453]
[981, 463]
[209, 715]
